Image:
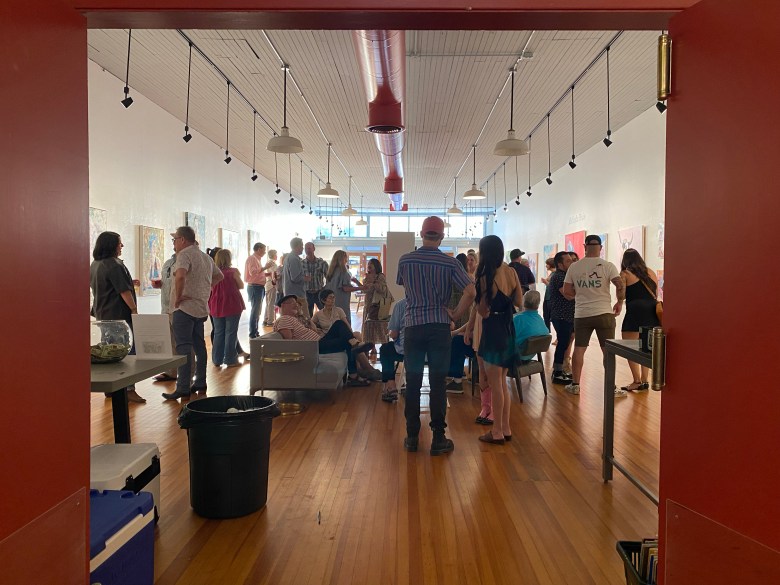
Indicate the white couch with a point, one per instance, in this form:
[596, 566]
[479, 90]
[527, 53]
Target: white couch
[314, 372]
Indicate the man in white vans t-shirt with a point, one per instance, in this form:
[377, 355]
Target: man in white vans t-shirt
[587, 284]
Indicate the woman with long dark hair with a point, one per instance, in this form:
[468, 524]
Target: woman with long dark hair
[112, 288]
[641, 297]
[498, 292]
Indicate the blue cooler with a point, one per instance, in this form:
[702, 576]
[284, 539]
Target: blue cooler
[121, 538]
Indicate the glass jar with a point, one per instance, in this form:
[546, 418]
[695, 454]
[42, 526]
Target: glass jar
[110, 341]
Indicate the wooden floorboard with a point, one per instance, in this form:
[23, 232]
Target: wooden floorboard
[533, 511]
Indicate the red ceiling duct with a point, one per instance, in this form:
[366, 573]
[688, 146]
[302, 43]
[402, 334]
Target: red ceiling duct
[382, 58]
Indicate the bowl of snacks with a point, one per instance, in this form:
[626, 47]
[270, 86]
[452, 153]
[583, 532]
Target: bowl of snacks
[110, 341]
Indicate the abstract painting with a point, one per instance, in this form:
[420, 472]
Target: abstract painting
[661, 240]
[229, 240]
[660, 274]
[152, 254]
[98, 223]
[575, 242]
[603, 254]
[550, 250]
[198, 223]
[633, 237]
[533, 261]
[252, 237]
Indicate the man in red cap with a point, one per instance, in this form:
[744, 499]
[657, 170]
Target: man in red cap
[427, 275]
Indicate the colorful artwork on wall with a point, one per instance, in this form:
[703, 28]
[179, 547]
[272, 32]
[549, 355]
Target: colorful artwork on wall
[98, 223]
[252, 237]
[152, 241]
[633, 237]
[198, 223]
[603, 254]
[661, 240]
[550, 250]
[660, 274]
[575, 242]
[229, 240]
[533, 261]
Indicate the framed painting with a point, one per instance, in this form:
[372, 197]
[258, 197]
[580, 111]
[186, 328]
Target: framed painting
[533, 261]
[661, 240]
[252, 237]
[550, 250]
[152, 242]
[575, 242]
[603, 254]
[98, 223]
[229, 240]
[633, 237]
[660, 274]
[198, 223]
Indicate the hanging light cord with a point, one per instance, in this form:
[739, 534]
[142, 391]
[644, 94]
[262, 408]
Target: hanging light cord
[276, 170]
[572, 122]
[127, 72]
[512, 103]
[529, 165]
[189, 77]
[505, 202]
[254, 141]
[285, 67]
[609, 123]
[549, 152]
[227, 122]
[289, 169]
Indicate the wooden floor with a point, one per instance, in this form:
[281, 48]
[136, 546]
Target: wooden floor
[532, 511]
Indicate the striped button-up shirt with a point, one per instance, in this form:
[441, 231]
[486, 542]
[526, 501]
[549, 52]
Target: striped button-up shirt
[317, 270]
[427, 275]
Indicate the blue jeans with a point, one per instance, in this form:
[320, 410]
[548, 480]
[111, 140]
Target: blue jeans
[458, 354]
[434, 341]
[563, 329]
[188, 331]
[223, 349]
[256, 294]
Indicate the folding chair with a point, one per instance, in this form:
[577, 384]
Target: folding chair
[533, 345]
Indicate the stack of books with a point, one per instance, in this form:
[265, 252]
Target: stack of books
[640, 560]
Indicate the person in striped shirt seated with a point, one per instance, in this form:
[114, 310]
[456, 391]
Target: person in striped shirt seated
[338, 338]
[427, 275]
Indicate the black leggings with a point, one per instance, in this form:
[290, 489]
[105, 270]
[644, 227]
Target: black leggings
[336, 340]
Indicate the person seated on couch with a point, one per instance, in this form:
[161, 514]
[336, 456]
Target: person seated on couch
[528, 323]
[338, 338]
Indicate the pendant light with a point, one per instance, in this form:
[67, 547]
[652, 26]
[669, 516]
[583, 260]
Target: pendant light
[228, 158]
[511, 146]
[454, 209]
[284, 143]
[128, 101]
[608, 141]
[572, 164]
[327, 192]
[474, 193]
[187, 136]
[348, 210]
[361, 221]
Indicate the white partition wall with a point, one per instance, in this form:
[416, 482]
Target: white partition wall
[398, 244]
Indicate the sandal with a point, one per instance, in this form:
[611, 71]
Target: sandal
[643, 387]
[483, 420]
[633, 386]
[390, 395]
[357, 381]
[488, 438]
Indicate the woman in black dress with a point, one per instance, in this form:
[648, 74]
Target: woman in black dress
[498, 292]
[641, 294]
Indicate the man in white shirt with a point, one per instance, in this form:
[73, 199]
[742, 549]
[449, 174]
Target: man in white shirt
[587, 284]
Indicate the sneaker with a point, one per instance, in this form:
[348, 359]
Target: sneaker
[455, 387]
[572, 388]
[620, 393]
[441, 444]
[561, 378]
[410, 444]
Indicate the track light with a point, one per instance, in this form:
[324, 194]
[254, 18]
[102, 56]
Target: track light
[549, 179]
[228, 158]
[187, 136]
[664, 70]
[277, 190]
[607, 141]
[128, 101]
[661, 107]
[311, 211]
[511, 146]
[303, 206]
[284, 143]
[572, 164]
[254, 175]
[517, 200]
[276, 201]
[292, 199]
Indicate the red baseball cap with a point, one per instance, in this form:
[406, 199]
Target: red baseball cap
[433, 226]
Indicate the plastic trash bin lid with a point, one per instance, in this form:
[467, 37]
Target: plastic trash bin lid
[110, 511]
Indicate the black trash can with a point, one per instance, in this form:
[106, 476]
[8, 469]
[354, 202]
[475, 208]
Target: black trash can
[228, 453]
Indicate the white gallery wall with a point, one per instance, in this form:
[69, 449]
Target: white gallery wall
[143, 174]
[611, 189]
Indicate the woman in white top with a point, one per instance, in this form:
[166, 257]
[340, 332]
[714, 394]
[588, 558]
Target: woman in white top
[329, 313]
[270, 289]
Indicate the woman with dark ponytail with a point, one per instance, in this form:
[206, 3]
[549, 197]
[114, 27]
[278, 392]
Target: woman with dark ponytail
[498, 292]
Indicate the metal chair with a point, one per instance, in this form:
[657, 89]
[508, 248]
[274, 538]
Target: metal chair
[533, 345]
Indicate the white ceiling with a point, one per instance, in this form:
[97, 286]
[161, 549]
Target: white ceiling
[453, 81]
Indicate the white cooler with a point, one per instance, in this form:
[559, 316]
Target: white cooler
[126, 466]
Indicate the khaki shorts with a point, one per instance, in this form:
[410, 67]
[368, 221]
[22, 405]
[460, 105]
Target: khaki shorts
[603, 325]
